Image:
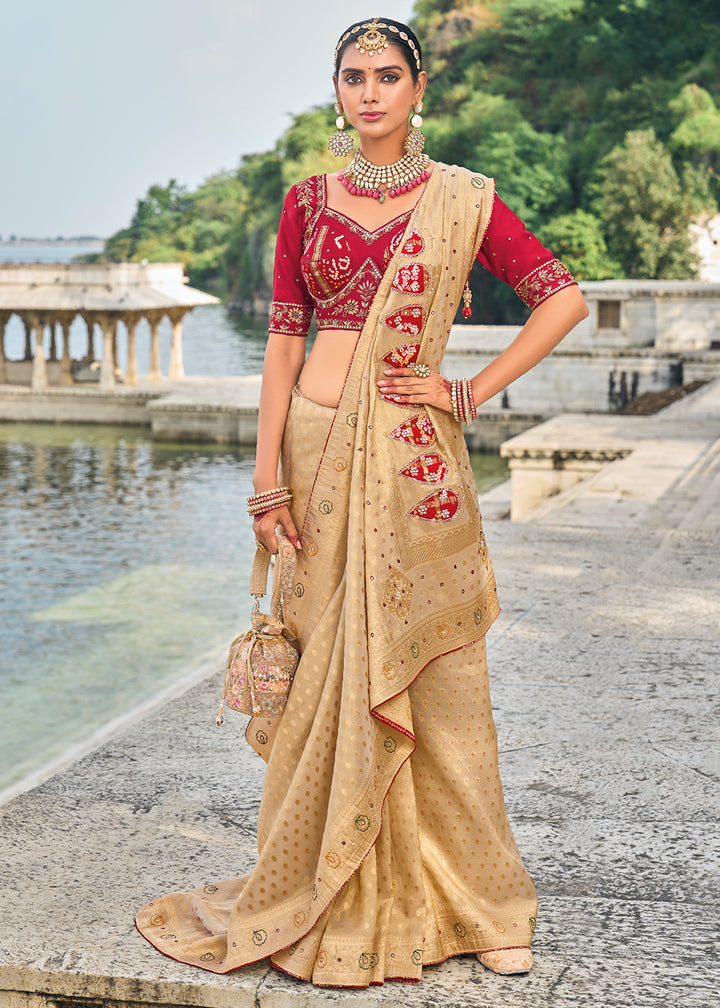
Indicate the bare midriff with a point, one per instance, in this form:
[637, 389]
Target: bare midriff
[325, 370]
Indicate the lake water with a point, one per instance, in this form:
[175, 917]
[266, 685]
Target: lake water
[124, 562]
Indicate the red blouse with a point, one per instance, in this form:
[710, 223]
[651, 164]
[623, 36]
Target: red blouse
[327, 262]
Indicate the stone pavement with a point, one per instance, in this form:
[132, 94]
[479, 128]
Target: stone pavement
[604, 666]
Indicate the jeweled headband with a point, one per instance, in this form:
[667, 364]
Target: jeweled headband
[374, 40]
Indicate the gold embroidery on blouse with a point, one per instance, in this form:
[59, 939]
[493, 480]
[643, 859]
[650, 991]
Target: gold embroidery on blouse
[544, 280]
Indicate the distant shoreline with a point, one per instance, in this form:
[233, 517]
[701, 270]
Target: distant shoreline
[24, 242]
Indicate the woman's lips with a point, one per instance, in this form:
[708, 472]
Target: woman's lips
[371, 116]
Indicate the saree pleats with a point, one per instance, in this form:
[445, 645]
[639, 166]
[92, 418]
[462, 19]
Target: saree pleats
[383, 838]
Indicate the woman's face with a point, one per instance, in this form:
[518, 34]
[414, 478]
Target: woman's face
[377, 91]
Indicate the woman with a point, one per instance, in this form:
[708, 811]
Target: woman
[383, 837]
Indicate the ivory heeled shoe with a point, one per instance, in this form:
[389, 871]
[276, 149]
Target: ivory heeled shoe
[507, 962]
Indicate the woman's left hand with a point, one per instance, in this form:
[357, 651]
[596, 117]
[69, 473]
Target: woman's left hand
[403, 386]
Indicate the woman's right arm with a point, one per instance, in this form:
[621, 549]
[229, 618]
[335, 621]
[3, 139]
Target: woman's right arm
[284, 359]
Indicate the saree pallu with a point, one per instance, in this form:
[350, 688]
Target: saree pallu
[383, 838]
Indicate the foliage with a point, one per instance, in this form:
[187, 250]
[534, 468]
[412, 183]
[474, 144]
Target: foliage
[577, 239]
[645, 209]
[571, 104]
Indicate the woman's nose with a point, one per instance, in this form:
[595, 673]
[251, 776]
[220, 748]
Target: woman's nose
[370, 91]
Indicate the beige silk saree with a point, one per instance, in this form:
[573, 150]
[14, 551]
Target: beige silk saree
[383, 838]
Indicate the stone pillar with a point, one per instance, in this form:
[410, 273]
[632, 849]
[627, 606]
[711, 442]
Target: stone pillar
[131, 374]
[107, 365]
[176, 355]
[116, 365]
[66, 377]
[154, 373]
[53, 341]
[28, 355]
[4, 318]
[90, 323]
[39, 370]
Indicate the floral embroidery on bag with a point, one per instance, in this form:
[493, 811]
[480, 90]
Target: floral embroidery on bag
[429, 468]
[440, 506]
[417, 430]
[398, 594]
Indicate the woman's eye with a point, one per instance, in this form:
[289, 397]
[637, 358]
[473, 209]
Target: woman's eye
[352, 79]
[390, 77]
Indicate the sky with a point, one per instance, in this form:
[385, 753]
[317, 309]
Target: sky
[102, 99]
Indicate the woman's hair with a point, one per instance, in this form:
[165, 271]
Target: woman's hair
[396, 33]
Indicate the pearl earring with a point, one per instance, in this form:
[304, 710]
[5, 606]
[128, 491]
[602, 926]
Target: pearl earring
[340, 144]
[415, 140]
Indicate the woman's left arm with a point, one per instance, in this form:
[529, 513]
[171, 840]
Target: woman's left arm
[548, 324]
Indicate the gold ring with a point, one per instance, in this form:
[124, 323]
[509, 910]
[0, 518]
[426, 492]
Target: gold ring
[421, 370]
[263, 549]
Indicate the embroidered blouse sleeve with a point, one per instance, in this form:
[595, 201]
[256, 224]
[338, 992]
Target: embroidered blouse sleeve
[513, 254]
[292, 306]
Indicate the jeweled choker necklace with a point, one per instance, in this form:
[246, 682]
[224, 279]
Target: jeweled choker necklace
[378, 181]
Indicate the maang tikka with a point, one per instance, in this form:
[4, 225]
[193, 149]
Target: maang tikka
[415, 140]
[340, 143]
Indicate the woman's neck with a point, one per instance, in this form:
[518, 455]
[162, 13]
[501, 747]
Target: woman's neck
[381, 152]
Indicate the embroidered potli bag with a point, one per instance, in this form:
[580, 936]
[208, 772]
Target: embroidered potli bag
[262, 661]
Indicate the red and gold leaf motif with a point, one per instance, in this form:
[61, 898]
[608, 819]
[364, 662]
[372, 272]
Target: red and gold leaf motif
[408, 320]
[402, 356]
[440, 506]
[429, 468]
[411, 278]
[414, 244]
[418, 430]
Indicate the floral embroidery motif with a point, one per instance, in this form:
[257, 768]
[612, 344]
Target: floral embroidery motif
[411, 278]
[417, 957]
[362, 823]
[207, 957]
[544, 280]
[210, 889]
[299, 919]
[402, 356]
[390, 745]
[440, 506]
[460, 930]
[333, 859]
[430, 468]
[289, 319]
[390, 671]
[415, 649]
[368, 960]
[414, 245]
[259, 937]
[418, 430]
[261, 737]
[325, 507]
[340, 464]
[157, 920]
[408, 320]
[442, 630]
[321, 961]
[398, 594]
[500, 928]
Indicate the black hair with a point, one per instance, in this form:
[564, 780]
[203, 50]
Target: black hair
[358, 28]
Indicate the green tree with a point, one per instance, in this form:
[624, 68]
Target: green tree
[646, 212]
[577, 239]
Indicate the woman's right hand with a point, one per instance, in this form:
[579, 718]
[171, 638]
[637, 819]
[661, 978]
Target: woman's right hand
[264, 526]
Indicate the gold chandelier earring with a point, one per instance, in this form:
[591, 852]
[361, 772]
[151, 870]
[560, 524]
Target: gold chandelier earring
[415, 140]
[340, 143]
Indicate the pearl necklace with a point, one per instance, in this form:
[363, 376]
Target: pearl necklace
[378, 181]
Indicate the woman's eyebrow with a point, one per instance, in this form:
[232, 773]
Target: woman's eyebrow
[377, 69]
